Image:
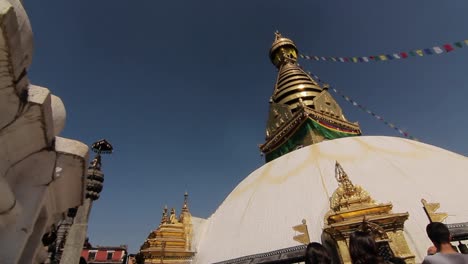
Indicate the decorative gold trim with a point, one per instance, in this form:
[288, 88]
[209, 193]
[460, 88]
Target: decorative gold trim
[430, 210]
[304, 236]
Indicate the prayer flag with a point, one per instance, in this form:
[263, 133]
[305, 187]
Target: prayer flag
[341, 59]
[323, 58]
[404, 55]
[316, 58]
[365, 59]
[383, 57]
[412, 53]
[390, 57]
[419, 52]
[333, 58]
[346, 59]
[376, 58]
[458, 44]
[437, 50]
[302, 56]
[307, 57]
[354, 59]
[395, 55]
[466, 42]
[428, 51]
[448, 47]
[361, 59]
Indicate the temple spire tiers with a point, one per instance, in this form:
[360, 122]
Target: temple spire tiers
[302, 111]
[171, 242]
[352, 208]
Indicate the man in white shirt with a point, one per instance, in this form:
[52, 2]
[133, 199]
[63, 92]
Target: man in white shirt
[440, 237]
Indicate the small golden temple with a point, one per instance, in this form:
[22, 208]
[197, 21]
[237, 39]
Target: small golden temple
[171, 242]
[351, 209]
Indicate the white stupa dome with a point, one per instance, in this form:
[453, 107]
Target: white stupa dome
[258, 214]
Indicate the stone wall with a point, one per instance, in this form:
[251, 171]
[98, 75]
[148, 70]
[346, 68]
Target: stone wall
[41, 174]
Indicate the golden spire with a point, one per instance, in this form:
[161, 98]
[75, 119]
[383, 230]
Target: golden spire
[185, 206]
[347, 194]
[344, 181]
[294, 87]
[164, 215]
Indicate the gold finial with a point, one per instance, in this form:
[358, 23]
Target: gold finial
[344, 181]
[430, 210]
[277, 35]
[164, 215]
[347, 193]
[282, 50]
[185, 206]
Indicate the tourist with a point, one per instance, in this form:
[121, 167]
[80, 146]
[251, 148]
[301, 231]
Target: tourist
[317, 254]
[363, 249]
[440, 237]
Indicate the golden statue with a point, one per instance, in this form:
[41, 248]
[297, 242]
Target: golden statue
[173, 217]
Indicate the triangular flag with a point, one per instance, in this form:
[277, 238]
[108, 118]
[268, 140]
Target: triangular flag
[300, 228]
[437, 50]
[304, 239]
[448, 47]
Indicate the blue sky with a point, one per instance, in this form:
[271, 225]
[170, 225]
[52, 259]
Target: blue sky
[181, 88]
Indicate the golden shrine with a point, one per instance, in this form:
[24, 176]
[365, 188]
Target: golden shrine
[171, 241]
[352, 208]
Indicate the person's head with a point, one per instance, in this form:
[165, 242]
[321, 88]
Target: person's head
[362, 248]
[317, 254]
[438, 233]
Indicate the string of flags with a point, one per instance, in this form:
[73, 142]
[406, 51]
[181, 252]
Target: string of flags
[365, 109]
[436, 50]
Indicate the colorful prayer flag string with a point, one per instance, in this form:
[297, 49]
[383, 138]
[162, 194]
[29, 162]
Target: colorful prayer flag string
[436, 50]
[365, 109]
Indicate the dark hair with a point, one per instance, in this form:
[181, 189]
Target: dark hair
[317, 254]
[363, 249]
[397, 260]
[438, 233]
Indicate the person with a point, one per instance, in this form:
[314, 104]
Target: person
[439, 234]
[317, 254]
[363, 249]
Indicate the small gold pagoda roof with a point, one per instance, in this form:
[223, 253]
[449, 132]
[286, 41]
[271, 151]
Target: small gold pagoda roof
[171, 241]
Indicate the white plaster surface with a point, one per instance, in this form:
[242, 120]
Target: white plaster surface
[59, 114]
[258, 214]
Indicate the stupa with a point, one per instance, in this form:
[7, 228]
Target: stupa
[324, 180]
